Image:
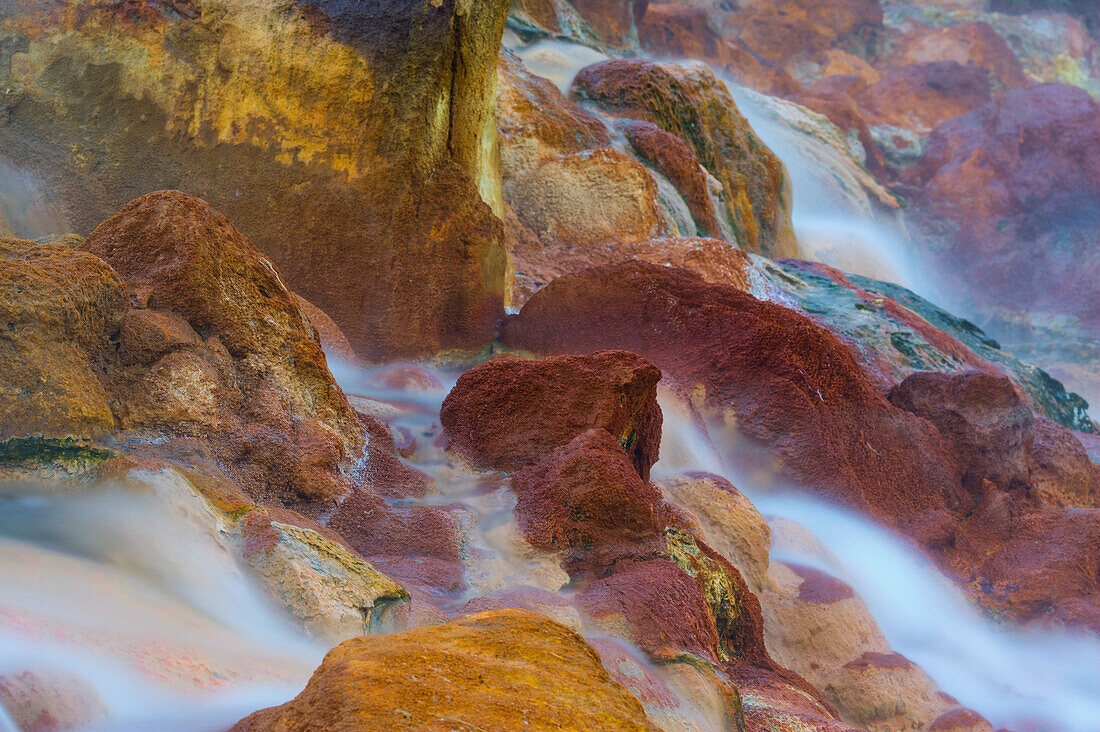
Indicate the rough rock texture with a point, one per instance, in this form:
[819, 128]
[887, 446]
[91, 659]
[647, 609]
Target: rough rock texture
[1010, 192]
[587, 500]
[728, 522]
[499, 670]
[376, 209]
[681, 31]
[919, 97]
[61, 308]
[613, 20]
[508, 414]
[988, 426]
[760, 368]
[692, 104]
[330, 590]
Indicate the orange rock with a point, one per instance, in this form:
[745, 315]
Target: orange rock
[921, 96]
[791, 31]
[502, 670]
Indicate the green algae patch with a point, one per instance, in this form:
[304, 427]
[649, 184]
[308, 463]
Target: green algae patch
[37, 450]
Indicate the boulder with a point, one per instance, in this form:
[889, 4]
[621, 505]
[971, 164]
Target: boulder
[1008, 194]
[378, 209]
[614, 21]
[988, 427]
[692, 104]
[49, 701]
[586, 500]
[508, 414]
[762, 370]
[497, 671]
[921, 96]
[965, 43]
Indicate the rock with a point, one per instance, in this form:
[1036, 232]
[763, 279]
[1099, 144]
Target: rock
[792, 32]
[333, 341]
[613, 20]
[496, 670]
[677, 162]
[49, 701]
[965, 43]
[986, 424]
[1008, 194]
[586, 500]
[1062, 474]
[329, 589]
[343, 197]
[690, 103]
[175, 253]
[145, 336]
[498, 415]
[921, 96]
[729, 522]
[764, 370]
[537, 123]
[591, 198]
[817, 626]
[679, 31]
[60, 308]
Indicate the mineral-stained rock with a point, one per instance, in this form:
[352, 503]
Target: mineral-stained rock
[332, 592]
[508, 414]
[389, 195]
[764, 369]
[921, 96]
[1062, 474]
[679, 31]
[692, 104]
[586, 499]
[730, 524]
[175, 253]
[1009, 194]
[59, 308]
[987, 425]
[614, 20]
[500, 670]
[965, 43]
[590, 198]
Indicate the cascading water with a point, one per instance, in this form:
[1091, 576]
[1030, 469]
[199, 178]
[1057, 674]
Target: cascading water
[140, 601]
[1018, 678]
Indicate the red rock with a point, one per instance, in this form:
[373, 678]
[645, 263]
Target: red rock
[333, 340]
[1009, 195]
[842, 111]
[1062, 474]
[818, 587]
[960, 719]
[681, 31]
[678, 162]
[919, 97]
[508, 414]
[782, 380]
[987, 425]
[587, 500]
[693, 105]
[964, 43]
[50, 701]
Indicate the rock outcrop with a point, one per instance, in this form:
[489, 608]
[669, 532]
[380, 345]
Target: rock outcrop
[495, 671]
[379, 209]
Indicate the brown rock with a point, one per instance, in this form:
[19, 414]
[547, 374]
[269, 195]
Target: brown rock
[378, 209]
[987, 425]
[964, 43]
[499, 670]
[58, 309]
[50, 701]
[792, 31]
[613, 20]
[919, 97]
[508, 414]
[693, 105]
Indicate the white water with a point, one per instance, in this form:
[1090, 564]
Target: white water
[136, 596]
[1042, 680]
